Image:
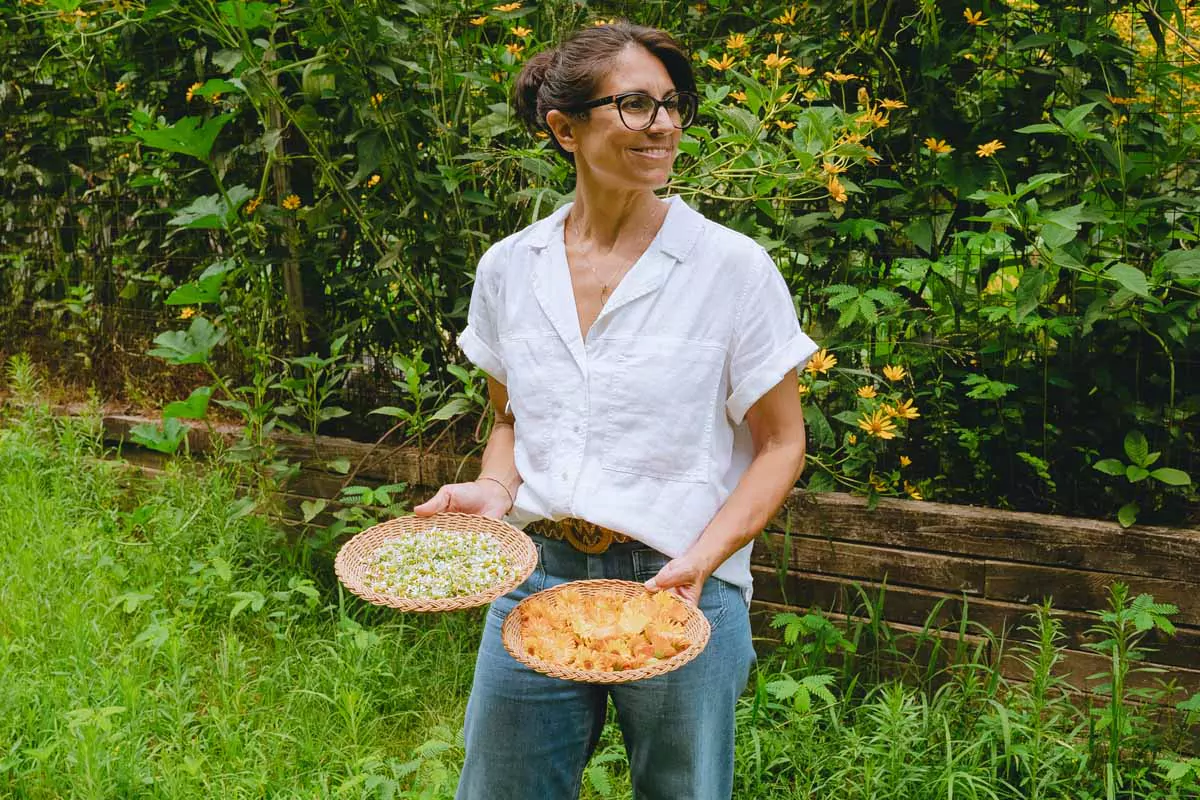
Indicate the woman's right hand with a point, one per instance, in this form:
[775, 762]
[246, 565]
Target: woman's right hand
[484, 497]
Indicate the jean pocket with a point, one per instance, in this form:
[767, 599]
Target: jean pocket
[714, 599]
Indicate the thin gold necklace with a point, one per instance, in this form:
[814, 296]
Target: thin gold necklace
[617, 274]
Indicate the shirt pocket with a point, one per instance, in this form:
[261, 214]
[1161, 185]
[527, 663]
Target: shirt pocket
[660, 416]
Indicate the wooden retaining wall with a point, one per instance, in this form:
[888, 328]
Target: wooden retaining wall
[821, 549]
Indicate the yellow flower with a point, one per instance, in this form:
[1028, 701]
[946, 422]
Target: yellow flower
[736, 41]
[866, 392]
[191, 92]
[822, 362]
[871, 156]
[852, 439]
[913, 491]
[740, 96]
[804, 389]
[700, 8]
[840, 77]
[836, 190]
[810, 95]
[187, 312]
[514, 49]
[878, 424]
[520, 31]
[905, 461]
[803, 72]
[291, 202]
[1120, 119]
[373, 181]
[778, 37]
[902, 410]
[477, 21]
[1120, 101]
[892, 105]
[784, 124]
[776, 61]
[377, 100]
[989, 148]
[724, 63]
[121, 86]
[504, 9]
[937, 146]
[832, 168]
[877, 483]
[975, 18]
[497, 77]
[873, 117]
[786, 18]
[893, 373]
[253, 205]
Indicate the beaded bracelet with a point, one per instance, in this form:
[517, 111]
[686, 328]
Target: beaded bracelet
[511, 500]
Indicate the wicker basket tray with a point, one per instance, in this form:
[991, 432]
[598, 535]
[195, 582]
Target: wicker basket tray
[696, 628]
[353, 557]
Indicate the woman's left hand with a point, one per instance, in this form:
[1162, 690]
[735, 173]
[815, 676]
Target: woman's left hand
[684, 576]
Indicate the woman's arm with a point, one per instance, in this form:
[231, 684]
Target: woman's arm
[777, 428]
[492, 493]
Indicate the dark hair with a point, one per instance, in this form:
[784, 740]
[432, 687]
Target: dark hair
[567, 75]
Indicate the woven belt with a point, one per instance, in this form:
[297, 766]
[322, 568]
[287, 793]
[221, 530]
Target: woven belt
[580, 534]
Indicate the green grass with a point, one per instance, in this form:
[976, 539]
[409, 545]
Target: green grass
[158, 640]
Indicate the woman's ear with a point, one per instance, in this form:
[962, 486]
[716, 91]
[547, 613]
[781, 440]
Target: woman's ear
[562, 128]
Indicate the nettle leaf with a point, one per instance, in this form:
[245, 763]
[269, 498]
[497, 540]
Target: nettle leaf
[193, 346]
[194, 407]
[211, 211]
[1130, 278]
[189, 136]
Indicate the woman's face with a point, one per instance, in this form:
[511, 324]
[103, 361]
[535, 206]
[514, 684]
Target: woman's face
[609, 152]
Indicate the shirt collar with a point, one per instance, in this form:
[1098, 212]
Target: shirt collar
[680, 232]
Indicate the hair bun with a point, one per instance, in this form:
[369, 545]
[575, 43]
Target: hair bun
[529, 84]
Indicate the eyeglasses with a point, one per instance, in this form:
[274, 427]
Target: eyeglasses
[638, 110]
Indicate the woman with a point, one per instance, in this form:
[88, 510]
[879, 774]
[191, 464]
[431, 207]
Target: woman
[642, 366]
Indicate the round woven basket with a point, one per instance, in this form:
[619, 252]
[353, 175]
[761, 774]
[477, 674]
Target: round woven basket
[354, 556]
[696, 628]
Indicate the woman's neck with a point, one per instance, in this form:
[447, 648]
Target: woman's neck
[605, 218]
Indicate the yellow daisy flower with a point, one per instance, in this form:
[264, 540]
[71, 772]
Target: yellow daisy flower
[878, 424]
[191, 92]
[913, 491]
[477, 21]
[373, 181]
[892, 105]
[822, 362]
[520, 31]
[776, 61]
[787, 17]
[867, 392]
[975, 18]
[803, 72]
[507, 7]
[740, 96]
[291, 202]
[937, 146]
[187, 312]
[894, 373]
[784, 124]
[902, 410]
[722, 64]
[836, 190]
[905, 461]
[736, 41]
[989, 148]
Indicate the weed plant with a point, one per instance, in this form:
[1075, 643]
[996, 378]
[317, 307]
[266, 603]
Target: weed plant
[159, 639]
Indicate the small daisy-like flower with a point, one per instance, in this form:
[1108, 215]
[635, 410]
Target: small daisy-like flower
[894, 373]
[373, 181]
[784, 124]
[836, 190]
[253, 205]
[989, 148]
[520, 31]
[504, 9]
[866, 392]
[878, 424]
[377, 99]
[804, 389]
[871, 156]
[736, 41]
[937, 146]
[902, 410]
[877, 483]
[787, 17]
[974, 18]
[120, 87]
[892, 105]
[477, 21]
[291, 202]
[875, 118]
[778, 37]
[721, 64]
[191, 92]
[852, 439]
[832, 168]
[905, 461]
[913, 491]
[803, 72]
[822, 362]
[187, 312]
[840, 77]
[740, 96]
[776, 61]
[1121, 101]
[514, 49]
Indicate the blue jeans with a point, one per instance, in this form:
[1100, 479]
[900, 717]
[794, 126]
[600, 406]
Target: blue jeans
[529, 736]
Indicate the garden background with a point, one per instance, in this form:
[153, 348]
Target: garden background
[268, 213]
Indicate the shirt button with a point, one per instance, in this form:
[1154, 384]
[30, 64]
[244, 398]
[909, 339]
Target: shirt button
[563, 476]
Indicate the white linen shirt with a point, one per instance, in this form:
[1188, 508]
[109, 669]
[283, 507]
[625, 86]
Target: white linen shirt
[641, 427]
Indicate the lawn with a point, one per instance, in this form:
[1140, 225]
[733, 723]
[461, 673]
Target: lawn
[159, 638]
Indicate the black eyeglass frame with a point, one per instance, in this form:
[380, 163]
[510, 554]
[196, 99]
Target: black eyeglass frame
[615, 99]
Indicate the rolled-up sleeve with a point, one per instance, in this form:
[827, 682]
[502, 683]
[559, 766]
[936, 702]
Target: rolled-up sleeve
[480, 341]
[767, 341]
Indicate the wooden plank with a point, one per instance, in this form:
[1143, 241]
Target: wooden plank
[1091, 544]
[1078, 590]
[895, 565]
[916, 607]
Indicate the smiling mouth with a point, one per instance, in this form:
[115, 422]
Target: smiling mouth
[660, 152]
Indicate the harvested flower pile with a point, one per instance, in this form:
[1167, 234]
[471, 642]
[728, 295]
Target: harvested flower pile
[436, 563]
[607, 632]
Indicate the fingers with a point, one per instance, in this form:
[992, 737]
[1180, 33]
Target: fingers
[435, 505]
